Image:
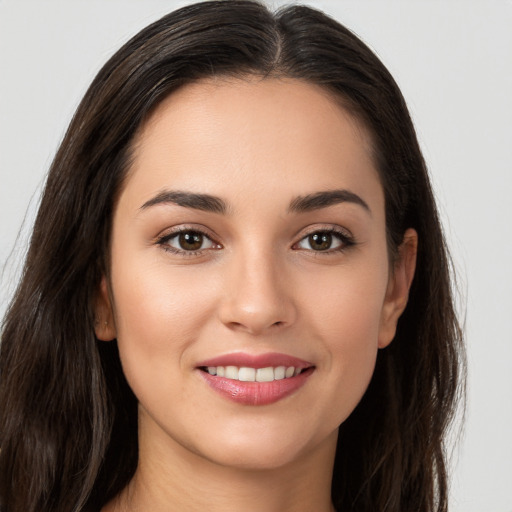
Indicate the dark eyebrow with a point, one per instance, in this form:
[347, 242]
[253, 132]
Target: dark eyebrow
[209, 203]
[203, 202]
[324, 199]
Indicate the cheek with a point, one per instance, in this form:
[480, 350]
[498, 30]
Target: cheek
[158, 313]
[345, 304]
[159, 300]
[345, 318]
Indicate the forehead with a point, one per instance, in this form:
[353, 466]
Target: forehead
[219, 134]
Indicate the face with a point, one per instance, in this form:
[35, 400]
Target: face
[250, 285]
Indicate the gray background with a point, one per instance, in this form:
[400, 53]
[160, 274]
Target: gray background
[453, 61]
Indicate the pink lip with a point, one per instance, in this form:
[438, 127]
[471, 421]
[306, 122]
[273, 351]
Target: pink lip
[256, 393]
[256, 361]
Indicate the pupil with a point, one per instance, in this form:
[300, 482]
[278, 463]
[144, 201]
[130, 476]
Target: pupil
[320, 241]
[191, 241]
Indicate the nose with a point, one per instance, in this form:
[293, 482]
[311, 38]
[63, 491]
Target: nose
[258, 295]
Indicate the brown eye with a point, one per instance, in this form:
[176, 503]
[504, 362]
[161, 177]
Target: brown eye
[187, 242]
[190, 241]
[322, 241]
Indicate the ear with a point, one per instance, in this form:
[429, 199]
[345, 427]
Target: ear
[399, 283]
[104, 325]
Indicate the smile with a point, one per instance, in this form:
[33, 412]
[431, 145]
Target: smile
[255, 380]
[246, 374]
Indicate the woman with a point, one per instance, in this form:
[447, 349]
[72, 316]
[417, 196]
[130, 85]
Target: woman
[237, 293]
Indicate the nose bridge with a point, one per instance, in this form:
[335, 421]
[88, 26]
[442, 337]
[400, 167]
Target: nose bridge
[257, 296]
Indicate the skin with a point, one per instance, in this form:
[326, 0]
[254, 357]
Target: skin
[259, 286]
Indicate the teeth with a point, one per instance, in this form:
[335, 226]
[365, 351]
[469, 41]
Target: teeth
[231, 372]
[246, 374]
[265, 374]
[280, 372]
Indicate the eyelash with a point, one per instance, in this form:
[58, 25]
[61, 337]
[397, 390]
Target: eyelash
[344, 237]
[163, 241]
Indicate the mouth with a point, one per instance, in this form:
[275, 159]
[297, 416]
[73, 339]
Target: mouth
[248, 374]
[255, 380]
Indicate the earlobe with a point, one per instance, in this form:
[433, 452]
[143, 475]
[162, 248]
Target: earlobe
[104, 325]
[399, 285]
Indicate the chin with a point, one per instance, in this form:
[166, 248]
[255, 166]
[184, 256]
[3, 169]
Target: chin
[254, 460]
[265, 451]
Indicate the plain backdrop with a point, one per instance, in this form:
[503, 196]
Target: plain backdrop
[453, 61]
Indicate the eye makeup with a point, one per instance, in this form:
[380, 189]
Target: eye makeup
[194, 241]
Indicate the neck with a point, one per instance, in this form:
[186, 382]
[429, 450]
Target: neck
[177, 479]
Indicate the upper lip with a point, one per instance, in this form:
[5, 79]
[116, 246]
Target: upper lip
[241, 359]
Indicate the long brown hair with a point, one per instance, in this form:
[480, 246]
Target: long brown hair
[68, 425]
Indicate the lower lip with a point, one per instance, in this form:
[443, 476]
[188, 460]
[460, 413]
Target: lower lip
[256, 393]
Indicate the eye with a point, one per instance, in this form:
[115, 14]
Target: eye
[187, 241]
[325, 241]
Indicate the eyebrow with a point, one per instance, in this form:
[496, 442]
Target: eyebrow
[214, 204]
[319, 200]
[204, 202]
